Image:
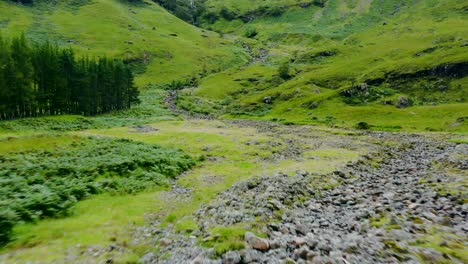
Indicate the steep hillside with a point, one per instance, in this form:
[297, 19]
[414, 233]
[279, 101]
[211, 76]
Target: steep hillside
[159, 45]
[349, 62]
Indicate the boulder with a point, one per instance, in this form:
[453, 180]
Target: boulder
[256, 242]
[267, 100]
[403, 102]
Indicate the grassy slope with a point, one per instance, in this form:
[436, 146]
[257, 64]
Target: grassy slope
[370, 39]
[109, 26]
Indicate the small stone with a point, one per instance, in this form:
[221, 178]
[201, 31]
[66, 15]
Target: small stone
[165, 242]
[302, 252]
[430, 216]
[403, 102]
[256, 242]
[232, 257]
[275, 244]
[413, 206]
[197, 260]
[311, 255]
[298, 241]
[147, 258]
[250, 255]
[322, 260]
[267, 100]
[431, 255]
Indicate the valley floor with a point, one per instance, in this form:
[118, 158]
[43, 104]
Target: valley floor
[307, 193]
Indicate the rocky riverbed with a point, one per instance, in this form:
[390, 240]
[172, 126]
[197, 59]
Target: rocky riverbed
[403, 203]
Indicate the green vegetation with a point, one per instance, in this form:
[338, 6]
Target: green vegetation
[226, 239]
[159, 46]
[447, 243]
[112, 217]
[46, 183]
[363, 64]
[45, 80]
[353, 60]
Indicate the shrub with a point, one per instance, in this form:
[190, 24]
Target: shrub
[8, 219]
[284, 71]
[250, 32]
[228, 15]
[41, 183]
[362, 126]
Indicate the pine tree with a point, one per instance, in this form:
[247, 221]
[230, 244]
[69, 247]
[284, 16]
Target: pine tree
[4, 54]
[20, 81]
[48, 80]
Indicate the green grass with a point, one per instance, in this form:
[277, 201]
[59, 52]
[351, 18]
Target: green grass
[368, 39]
[454, 245]
[226, 163]
[138, 32]
[100, 220]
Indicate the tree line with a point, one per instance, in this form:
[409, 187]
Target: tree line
[44, 79]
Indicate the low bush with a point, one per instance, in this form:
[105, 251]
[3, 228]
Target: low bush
[363, 126]
[41, 183]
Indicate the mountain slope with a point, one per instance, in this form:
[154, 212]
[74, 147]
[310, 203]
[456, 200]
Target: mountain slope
[157, 43]
[414, 50]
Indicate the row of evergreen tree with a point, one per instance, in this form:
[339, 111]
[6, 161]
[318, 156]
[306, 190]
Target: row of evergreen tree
[44, 79]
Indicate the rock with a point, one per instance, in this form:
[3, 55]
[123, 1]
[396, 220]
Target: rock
[389, 195]
[346, 223]
[256, 242]
[164, 242]
[340, 174]
[430, 216]
[144, 129]
[322, 260]
[267, 100]
[250, 255]
[311, 255]
[232, 257]
[431, 256]
[302, 252]
[275, 244]
[403, 102]
[147, 258]
[298, 241]
[197, 260]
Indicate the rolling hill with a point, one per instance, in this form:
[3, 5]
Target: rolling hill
[350, 62]
[158, 44]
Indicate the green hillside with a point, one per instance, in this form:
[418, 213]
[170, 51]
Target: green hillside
[415, 49]
[185, 173]
[157, 43]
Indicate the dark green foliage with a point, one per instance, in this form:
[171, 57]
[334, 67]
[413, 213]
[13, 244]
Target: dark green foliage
[187, 10]
[284, 71]
[181, 84]
[250, 32]
[42, 183]
[228, 15]
[47, 80]
[362, 126]
[150, 110]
